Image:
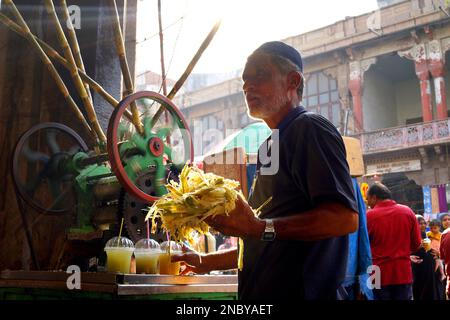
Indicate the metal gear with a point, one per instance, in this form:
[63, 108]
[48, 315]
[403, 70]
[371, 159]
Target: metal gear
[134, 211]
[39, 174]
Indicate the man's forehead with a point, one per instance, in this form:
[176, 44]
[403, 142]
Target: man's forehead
[256, 61]
[258, 58]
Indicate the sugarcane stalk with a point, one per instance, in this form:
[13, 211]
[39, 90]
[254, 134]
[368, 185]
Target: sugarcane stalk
[74, 42]
[161, 49]
[92, 117]
[53, 54]
[189, 68]
[163, 67]
[120, 47]
[47, 62]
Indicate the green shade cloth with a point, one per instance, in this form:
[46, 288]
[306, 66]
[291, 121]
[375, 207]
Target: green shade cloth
[250, 138]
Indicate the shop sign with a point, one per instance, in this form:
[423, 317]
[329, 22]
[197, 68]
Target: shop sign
[392, 167]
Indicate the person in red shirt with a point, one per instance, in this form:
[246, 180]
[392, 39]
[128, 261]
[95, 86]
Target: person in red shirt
[394, 234]
[445, 256]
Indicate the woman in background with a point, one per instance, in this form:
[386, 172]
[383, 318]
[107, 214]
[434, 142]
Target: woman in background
[445, 221]
[422, 225]
[426, 282]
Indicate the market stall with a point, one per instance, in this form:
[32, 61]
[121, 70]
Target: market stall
[40, 285]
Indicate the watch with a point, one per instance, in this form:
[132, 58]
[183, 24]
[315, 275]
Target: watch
[269, 231]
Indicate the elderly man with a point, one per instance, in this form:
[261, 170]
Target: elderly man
[297, 246]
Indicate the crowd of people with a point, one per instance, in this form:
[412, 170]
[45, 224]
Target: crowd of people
[429, 262]
[413, 255]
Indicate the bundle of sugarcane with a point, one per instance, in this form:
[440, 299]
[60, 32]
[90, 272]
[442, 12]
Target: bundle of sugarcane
[196, 197]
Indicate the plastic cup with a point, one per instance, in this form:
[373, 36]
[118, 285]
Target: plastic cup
[118, 253]
[165, 265]
[426, 244]
[147, 254]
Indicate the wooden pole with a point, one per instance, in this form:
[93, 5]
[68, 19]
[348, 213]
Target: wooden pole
[53, 54]
[47, 62]
[120, 47]
[92, 117]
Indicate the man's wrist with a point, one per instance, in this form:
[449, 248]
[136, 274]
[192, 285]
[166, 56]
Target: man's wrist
[206, 261]
[219, 260]
[260, 226]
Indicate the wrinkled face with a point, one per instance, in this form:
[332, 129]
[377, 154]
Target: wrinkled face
[265, 88]
[435, 229]
[446, 222]
[423, 225]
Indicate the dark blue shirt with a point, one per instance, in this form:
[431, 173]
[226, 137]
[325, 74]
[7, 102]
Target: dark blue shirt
[312, 170]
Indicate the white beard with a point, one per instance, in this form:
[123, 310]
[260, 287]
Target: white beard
[269, 109]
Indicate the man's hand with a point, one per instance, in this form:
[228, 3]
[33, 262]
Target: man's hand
[241, 222]
[307, 226]
[192, 260]
[415, 259]
[198, 263]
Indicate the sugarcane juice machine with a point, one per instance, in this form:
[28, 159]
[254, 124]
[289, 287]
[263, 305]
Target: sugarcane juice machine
[55, 173]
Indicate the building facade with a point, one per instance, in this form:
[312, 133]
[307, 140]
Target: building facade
[151, 81]
[382, 77]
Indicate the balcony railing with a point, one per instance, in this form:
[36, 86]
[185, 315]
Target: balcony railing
[391, 139]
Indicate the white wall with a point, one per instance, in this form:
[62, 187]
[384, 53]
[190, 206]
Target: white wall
[379, 110]
[408, 100]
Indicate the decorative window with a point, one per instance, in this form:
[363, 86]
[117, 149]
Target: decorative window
[321, 97]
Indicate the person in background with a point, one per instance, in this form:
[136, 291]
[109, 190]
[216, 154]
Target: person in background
[227, 244]
[445, 221]
[394, 234]
[435, 236]
[445, 256]
[426, 282]
[422, 226]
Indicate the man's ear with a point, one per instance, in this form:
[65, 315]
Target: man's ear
[294, 80]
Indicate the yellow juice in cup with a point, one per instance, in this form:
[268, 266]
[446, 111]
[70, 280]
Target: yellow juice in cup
[168, 267]
[147, 262]
[118, 259]
[426, 244]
